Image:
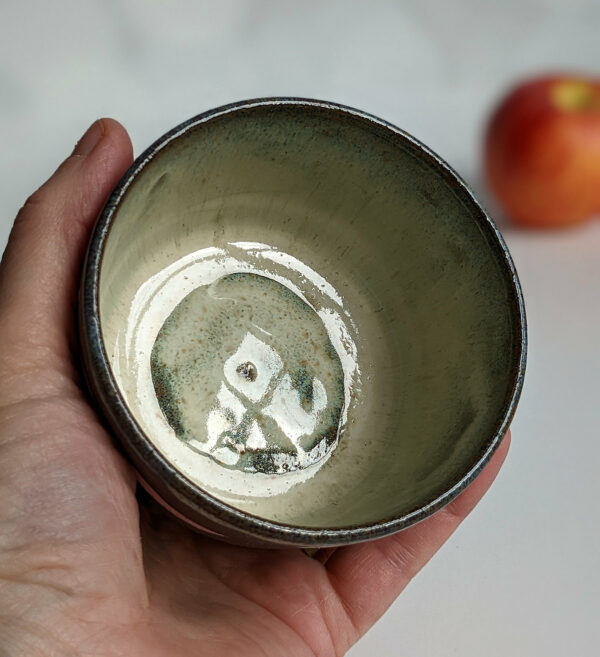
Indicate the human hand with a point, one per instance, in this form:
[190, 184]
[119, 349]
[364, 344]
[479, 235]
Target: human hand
[82, 570]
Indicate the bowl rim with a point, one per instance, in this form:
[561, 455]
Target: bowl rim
[152, 465]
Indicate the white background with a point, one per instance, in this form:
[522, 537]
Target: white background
[521, 577]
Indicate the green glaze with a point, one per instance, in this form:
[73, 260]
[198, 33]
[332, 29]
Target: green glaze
[238, 320]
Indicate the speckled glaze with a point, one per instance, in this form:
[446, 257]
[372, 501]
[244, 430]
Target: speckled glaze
[377, 375]
[264, 355]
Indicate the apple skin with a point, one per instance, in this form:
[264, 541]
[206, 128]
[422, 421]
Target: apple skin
[542, 151]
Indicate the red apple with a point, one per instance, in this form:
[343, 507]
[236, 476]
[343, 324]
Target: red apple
[542, 151]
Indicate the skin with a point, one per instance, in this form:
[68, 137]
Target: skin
[84, 569]
[542, 152]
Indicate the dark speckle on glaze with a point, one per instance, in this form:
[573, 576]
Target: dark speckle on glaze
[162, 380]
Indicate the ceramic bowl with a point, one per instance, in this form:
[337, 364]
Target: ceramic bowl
[300, 325]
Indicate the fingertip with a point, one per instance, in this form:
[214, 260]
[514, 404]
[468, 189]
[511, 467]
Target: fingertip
[118, 136]
[114, 148]
[88, 141]
[102, 168]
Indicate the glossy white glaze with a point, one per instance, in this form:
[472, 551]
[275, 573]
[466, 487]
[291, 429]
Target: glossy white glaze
[244, 366]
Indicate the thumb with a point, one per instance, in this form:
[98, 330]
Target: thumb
[40, 268]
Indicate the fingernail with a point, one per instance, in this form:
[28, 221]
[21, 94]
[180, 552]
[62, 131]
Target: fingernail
[90, 138]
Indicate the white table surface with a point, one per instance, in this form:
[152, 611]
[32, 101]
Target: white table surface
[521, 577]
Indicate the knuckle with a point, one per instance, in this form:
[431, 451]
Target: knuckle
[34, 204]
[35, 200]
[46, 197]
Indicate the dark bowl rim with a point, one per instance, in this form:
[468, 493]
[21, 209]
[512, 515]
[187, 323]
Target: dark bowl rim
[107, 394]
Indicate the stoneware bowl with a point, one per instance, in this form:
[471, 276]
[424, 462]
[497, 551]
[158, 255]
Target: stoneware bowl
[300, 325]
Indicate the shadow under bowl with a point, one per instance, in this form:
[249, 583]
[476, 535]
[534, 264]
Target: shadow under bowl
[300, 325]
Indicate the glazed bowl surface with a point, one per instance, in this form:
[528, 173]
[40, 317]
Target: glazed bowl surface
[300, 325]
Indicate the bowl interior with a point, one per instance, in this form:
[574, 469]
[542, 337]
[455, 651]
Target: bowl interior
[300, 277]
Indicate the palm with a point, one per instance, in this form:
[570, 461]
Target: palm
[176, 592]
[232, 600]
[82, 569]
